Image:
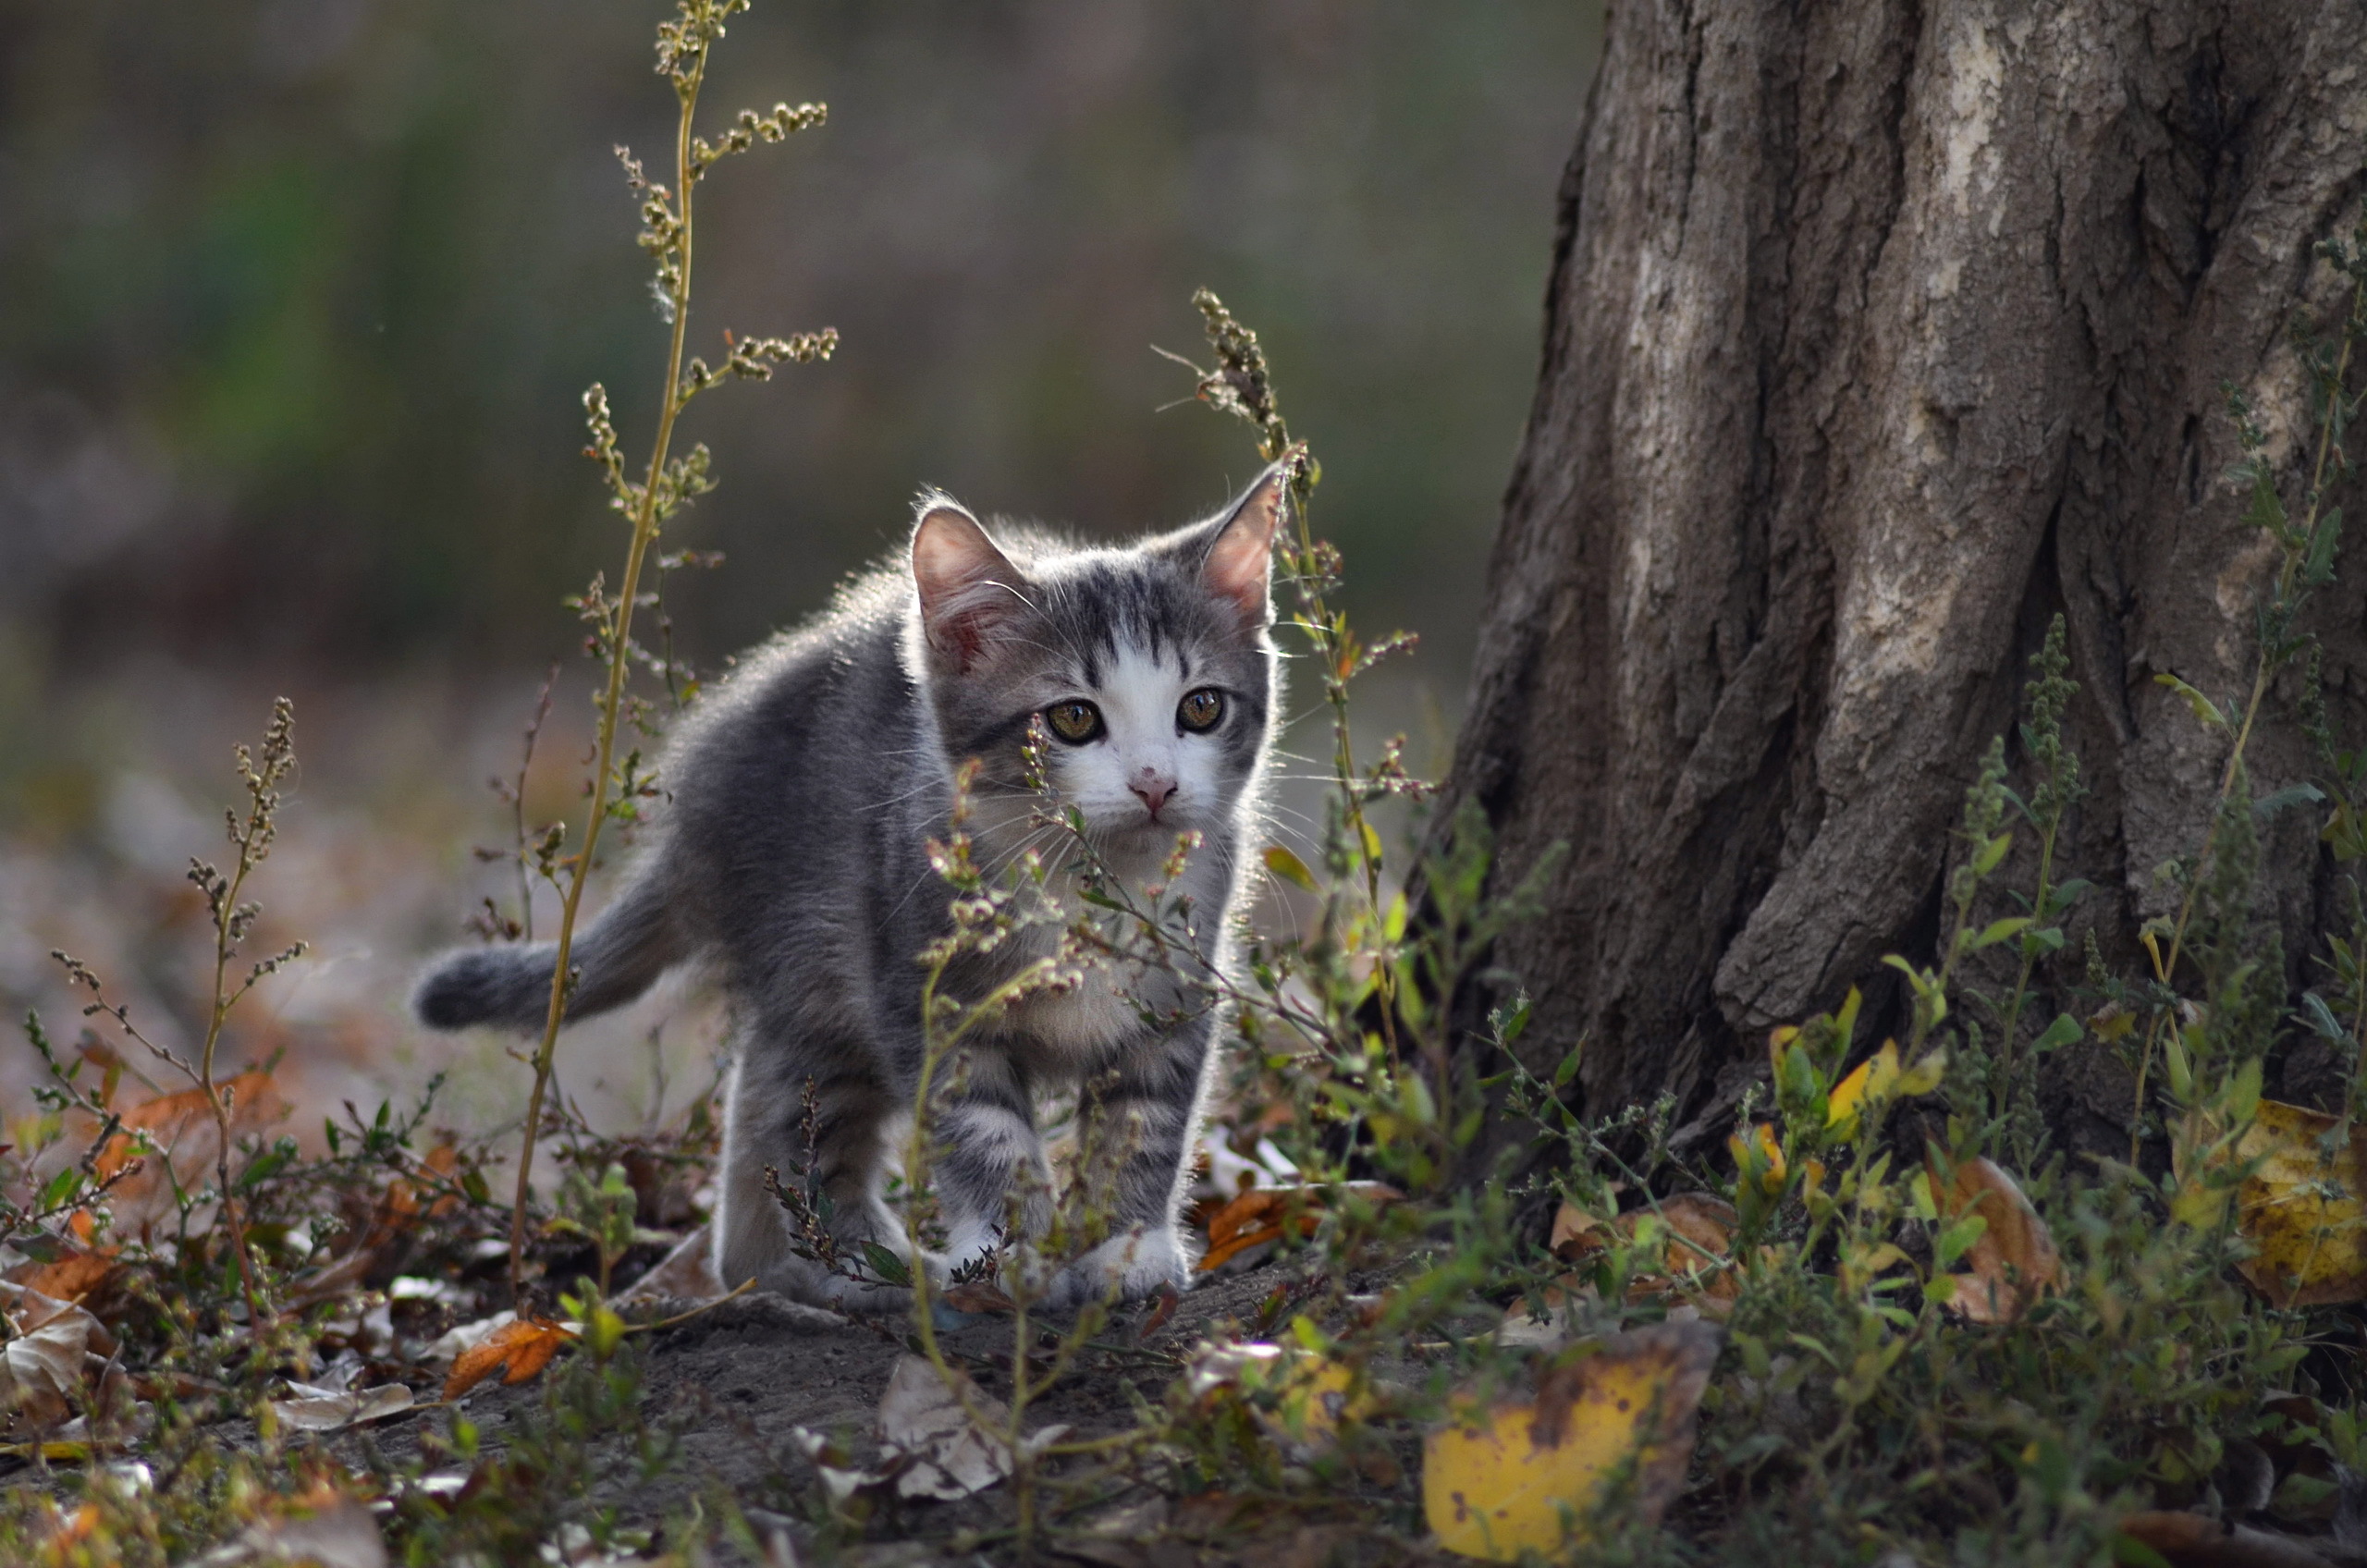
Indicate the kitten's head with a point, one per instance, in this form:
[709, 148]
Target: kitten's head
[1148, 666]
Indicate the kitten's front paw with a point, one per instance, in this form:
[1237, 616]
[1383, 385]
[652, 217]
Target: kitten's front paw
[1127, 1268]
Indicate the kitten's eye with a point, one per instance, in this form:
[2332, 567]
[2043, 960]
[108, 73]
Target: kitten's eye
[1200, 709]
[1074, 721]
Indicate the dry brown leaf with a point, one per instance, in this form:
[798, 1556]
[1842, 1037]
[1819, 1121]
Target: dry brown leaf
[2301, 1207]
[41, 1365]
[1699, 1252]
[182, 1126]
[2189, 1540]
[170, 1121]
[40, 1371]
[1506, 1481]
[308, 1409]
[922, 1421]
[517, 1349]
[979, 1297]
[2014, 1262]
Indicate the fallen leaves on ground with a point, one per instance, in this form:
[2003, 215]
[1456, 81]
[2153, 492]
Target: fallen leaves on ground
[1522, 1475]
[2300, 1209]
[311, 1409]
[1259, 1216]
[517, 1349]
[183, 1126]
[2012, 1262]
[1699, 1232]
[922, 1422]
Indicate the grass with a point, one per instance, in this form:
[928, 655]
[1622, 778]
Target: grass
[1890, 1320]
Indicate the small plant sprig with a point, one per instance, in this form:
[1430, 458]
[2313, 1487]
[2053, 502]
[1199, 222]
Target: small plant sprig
[2306, 547]
[1242, 386]
[233, 917]
[667, 484]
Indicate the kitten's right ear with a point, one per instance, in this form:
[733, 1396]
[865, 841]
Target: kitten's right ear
[969, 589]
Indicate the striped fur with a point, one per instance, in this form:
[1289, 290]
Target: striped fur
[789, 858]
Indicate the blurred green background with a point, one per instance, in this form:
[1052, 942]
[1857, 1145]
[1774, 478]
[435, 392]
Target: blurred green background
[299, 298]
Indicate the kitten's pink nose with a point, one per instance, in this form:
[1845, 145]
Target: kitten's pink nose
[1155, 789]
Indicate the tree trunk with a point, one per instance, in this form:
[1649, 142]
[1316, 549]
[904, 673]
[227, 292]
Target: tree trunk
[1878, 335]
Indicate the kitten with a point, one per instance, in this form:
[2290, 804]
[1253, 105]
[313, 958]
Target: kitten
[791, 858]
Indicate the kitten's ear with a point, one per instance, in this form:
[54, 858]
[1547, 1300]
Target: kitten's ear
[969, 589]
[1240, 559]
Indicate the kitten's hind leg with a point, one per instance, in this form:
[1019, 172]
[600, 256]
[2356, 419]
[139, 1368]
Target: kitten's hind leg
[824, 1144]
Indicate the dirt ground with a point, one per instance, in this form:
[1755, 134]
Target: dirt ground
[740, 1379]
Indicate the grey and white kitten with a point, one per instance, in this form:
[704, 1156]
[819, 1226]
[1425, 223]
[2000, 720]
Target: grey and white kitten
[791, 859]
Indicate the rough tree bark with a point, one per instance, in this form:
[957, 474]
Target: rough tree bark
[1877, 335]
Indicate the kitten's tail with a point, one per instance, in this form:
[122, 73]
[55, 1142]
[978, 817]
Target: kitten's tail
[616, 958]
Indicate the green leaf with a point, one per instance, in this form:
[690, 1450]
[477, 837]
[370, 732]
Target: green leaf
[2181, 1072]
[267, 1165]
[1991, 853]
[1997, 931]
[2243, 1095]
[2320, 1017]
[61, 1187]
[2038, 943]
[886, 1265]
[2291, 795]
[2319, 567]
[2063, 895]
[2205, 709]
[1956, 1240]
[2059, 1034]
[1290, 868]
[39, 1246]
[2266, 508]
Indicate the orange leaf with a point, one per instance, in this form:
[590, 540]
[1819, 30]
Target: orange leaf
[2014, 1262]
[520, 1349]
[1226, 1250]
[73, 1276]
[254, 1103]
[1258, 1215]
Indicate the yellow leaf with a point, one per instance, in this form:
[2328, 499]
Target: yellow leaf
[1866, 1088]
[1290, 868]
[1525, 1477]
[1764, 1153]
[2112, 1021]
[2300, 1207]
[1307, 1396]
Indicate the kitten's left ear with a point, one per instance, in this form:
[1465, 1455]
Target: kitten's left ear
[1240, 559]
[969, 591]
